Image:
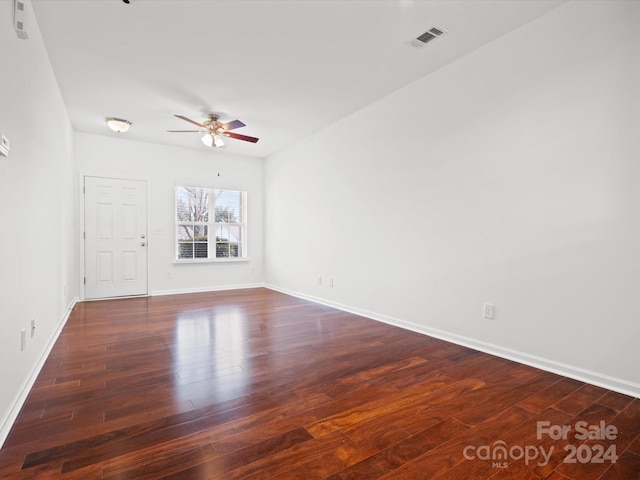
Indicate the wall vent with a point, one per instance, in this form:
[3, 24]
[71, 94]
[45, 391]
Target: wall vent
[20, 19]
[426, 37]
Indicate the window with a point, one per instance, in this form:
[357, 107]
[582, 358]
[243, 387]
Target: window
[203, 235]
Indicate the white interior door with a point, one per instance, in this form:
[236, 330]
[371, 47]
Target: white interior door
[115, 237]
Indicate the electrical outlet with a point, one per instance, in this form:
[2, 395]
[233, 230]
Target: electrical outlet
[331, 282]
[319, 279]
[33, 327]
[23, 339]
[489, 311]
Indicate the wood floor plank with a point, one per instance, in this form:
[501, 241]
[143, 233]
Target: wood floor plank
[174, 454]
[448, 454]
[635, 446]
[580, 399]
[395, 456]
[626, 468]
[256, 384]
[547, 397]
[161, 465]
[615, 400]
[493, 406]
[264, 459]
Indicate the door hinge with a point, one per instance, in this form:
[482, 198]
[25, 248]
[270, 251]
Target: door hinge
[84, 189]
[85, 280]
[84, 235]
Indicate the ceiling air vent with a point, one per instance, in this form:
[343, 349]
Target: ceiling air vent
[426, 37]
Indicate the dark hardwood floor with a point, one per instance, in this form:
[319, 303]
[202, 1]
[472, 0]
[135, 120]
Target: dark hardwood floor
[254, 384]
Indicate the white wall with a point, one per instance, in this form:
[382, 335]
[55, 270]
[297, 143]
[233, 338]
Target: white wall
[509, 176]
[38, 243]
[164, 167]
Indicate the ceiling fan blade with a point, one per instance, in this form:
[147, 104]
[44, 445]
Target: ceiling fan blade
[188, 131]
[190, 121]
[233, 125]
[237, 136]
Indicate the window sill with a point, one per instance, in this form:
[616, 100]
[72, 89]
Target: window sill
[192, 261]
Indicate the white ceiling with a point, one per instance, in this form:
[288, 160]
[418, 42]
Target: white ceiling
[285, 68]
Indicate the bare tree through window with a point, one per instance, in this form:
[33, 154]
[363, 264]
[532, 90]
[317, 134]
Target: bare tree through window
[194, 223]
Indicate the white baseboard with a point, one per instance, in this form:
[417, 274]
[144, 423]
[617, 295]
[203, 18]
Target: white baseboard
[611, 383]
[217, 288]
[10, 417]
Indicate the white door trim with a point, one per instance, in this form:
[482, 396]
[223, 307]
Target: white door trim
[81, 223]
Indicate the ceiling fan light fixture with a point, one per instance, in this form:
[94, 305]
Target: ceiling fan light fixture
[207, 139]
[118, 125]
[214, 131]
[212, 140]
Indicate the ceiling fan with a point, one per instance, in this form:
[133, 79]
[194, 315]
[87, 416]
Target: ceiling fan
[214, 130]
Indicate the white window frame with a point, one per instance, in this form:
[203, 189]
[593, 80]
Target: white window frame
[212, 227]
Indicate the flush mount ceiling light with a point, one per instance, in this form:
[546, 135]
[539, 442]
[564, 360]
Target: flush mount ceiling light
[118, 124]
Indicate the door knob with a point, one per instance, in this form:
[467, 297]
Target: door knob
[142, 244]
[142, 236]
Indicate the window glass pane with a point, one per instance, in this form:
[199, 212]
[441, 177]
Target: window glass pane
[222, 234]
[227, 206]
[222, 249]
[182, 205]
[225, 214]
[200, 233]
[200, 249]
[185, 250]
[185, 232]
[192, 204]
[235, 240]
[234, 234]
[222, 215]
